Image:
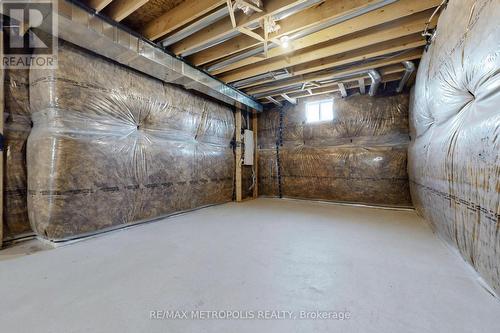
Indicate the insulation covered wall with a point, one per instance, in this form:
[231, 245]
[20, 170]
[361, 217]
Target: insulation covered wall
[17, 125]
[454, 163]
[359, 156]
[110, 147]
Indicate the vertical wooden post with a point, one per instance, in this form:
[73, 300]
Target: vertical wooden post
[256, 156]
[238, 181]
[2, 103]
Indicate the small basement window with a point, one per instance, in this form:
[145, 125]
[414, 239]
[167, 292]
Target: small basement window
[319, 111]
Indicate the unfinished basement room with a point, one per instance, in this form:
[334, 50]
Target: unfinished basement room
[248, 166]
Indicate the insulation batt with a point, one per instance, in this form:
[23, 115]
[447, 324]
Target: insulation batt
[111, 147]
[454, 163]
[358, 157]
[17, 126]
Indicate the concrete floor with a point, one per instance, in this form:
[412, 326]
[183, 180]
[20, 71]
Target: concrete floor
[385, 268]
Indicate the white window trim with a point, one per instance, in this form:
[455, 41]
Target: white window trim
[330, 100]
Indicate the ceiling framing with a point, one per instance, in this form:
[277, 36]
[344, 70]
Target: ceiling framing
[282, 50]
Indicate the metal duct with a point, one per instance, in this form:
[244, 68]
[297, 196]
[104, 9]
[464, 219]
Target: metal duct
[376, 79]
[300, 34]
[107, 38]
[409, 69]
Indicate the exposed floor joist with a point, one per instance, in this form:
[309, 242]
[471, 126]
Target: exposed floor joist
[313, 36]
[120, 9]
[334, 88]
[224, 27]
[315, 15]
[384, 48]
[98, 5]
[386, 32]
[397, 11]
[314, 77]
[175, 18]
[385, 72]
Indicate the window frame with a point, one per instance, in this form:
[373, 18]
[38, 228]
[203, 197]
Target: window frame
[319, 103]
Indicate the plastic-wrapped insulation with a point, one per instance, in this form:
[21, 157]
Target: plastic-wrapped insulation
[110, 147]
[17, 126]
[454, 162]
[359, 156]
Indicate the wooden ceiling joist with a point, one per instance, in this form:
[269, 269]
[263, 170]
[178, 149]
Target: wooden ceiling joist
[393, 30]
[361, 85]
[98, 5]
[223, 27]
[230, 8]
[391, 46]
[328, 10]
[342, 89]
[334, 88]
[177, 17]
[289, 99]
[395, 11]
[272, 100]
[120, 9]
[250, 33]
[412, 55]
[395, 45]
[384, 72]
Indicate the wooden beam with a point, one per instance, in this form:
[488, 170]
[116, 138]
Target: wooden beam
[230, 8]
[386, 32]
[361, 85]
[395, 45]
[250, 33]
[342, 89]
[98, 5]
[391, 46]
[272, 100]
[385, 72]
[395, 11]
[334, 88]
[326, 90]
[184, 13]
[120, 9]
[238, 151]
[256, 156]
[266, 22]
[289, 99]
[343, 59]
[223, 27]
[318, 14]
[412, 55]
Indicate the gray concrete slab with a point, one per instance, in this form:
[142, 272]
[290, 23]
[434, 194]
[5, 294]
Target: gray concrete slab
[385, 268]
